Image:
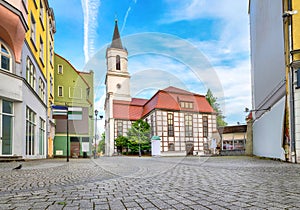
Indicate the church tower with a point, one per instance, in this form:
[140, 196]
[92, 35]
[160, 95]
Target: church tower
[117, 85]
[117, 76]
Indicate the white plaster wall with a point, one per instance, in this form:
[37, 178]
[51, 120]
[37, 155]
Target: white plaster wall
[268, 133]
[10, 87]
[267, 52]
[297, 122]
[33, 102]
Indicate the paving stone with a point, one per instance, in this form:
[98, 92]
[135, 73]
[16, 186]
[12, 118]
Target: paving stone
[151, 183]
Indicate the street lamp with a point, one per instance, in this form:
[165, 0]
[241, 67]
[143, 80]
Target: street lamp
[96, 118]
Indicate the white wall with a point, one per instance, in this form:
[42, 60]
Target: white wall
[267, 52]
[268, 132]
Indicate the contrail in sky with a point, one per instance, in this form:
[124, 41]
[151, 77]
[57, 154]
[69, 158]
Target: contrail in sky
[126, 16]
[90, 13]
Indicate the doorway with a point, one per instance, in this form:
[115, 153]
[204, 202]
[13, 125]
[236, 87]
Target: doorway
[75, 147]
[6, 127]
[189, 148]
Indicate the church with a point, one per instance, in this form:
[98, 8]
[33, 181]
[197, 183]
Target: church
[184, 121]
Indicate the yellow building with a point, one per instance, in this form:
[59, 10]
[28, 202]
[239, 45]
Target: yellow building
[40, 40]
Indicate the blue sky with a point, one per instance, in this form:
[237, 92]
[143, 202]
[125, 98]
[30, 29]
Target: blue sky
[192, 44]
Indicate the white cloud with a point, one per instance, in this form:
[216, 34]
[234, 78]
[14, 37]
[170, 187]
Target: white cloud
[229, 53]
[126, 15]
[90, 13]
[125, 19]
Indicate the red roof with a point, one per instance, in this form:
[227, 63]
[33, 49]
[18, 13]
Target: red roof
[167, 99]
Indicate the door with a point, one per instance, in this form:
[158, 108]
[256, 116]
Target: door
[6, 127]
[75, 147]
[189, 148]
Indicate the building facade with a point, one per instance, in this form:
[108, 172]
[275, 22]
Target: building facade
[75, 90]
[24, 27]
[183, 120]
[233, 138]
[275, 60]
[268, 78]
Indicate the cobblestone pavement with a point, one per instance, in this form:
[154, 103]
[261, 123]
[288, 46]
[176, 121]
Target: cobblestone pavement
[151, 183]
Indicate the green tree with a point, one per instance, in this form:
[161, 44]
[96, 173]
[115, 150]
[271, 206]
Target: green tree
[216, 106]
[101, 145]
[139, 133]
[121, 142]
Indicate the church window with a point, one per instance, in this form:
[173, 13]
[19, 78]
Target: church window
[152, 125]
[118, 62]
[188, 125]
[186, 105]
[171, 147]
[170, 124]
[119, 128]
[205, 126]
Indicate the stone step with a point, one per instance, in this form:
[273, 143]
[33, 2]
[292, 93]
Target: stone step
[5, 158]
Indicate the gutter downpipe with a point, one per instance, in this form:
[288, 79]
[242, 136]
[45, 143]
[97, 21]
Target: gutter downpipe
[291, 87]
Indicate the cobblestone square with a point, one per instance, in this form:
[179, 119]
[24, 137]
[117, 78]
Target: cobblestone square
[151, 183]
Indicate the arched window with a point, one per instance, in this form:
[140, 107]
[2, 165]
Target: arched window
[5, 58]
[118, 62]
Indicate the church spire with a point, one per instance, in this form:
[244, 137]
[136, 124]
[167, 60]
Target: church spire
[116, 41]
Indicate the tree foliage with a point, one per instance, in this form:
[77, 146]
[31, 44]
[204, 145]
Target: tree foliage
[121, 141]
[139, 132]
[101, 144]
[139, 136]
[216, 106]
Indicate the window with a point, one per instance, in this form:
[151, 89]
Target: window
[170, 124]
[41, 49]
[298, 78]
[30, 131]
[42, 13]
[42, 136]
[30, 73]
[25, 4]
[35, 4]
[205, 126]
[85, 139]
[42, 89]
[119, 128]
[186, 104]
[33, 30]
[7, 126]
[5, 58]
[88, 90]
[51, 53]
[51, 84]
[60, 69]
[60, 91]
[152, 126]
[171, 147]
[188, 125]
[118, 63]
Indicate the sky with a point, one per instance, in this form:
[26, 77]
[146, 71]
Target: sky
[191, 44]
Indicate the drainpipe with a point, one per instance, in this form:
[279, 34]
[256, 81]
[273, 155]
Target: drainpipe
[291, 87]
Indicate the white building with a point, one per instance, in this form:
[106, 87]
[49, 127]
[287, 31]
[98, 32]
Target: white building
[268, 77]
